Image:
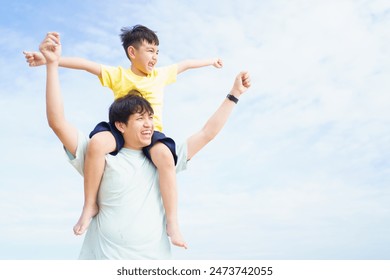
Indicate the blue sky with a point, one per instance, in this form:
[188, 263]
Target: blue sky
[302, 169]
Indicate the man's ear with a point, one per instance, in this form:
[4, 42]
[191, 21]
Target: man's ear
[131, 52]
[120, 126]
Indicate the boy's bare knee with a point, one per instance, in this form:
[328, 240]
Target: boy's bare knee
[102, 143]
[162, 156]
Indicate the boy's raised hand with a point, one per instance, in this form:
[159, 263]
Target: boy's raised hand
[218, 63]
[51, 47]
[34, 58]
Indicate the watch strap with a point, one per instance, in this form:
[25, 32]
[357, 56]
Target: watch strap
[232, 98]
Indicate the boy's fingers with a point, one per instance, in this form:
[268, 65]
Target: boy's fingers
[27, 54]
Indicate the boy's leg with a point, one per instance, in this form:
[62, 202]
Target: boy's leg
[163, 160]
[99, 146]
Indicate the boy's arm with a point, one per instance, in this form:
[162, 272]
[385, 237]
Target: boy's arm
[37, 59]
[81, 64]
[191, 64]
[216, 122]
[68, 135]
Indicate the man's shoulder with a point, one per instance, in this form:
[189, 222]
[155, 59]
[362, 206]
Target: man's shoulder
[182, 156]
[77, 160]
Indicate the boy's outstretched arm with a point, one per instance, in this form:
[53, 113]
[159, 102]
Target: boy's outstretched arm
[216, 122]
[193, 63]
[35, 59]
[51, 50]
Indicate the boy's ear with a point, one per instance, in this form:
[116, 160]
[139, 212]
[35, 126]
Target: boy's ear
[131, 52]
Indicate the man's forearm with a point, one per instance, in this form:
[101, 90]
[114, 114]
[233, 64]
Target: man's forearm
[217, 121]
[54, 103]
[65, 132]
[212, 127]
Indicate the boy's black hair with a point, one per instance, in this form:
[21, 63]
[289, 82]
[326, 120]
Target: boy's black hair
[132, 103]
[134, 36]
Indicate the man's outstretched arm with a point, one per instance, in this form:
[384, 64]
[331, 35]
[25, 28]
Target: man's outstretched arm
[216, 122]
[51, 50]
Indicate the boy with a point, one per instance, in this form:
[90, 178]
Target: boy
[141, 47]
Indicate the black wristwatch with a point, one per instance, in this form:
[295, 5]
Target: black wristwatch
[232, 98]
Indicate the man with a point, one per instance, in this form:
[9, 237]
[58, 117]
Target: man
[131, 219]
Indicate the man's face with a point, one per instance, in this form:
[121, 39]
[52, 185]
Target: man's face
[138, 131]
[144, 58]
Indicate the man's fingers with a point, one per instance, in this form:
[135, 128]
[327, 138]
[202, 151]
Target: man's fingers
[53, 33]
[53, 37]
[245, 78]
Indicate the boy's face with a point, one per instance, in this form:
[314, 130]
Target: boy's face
[144, 58]
[138, 131]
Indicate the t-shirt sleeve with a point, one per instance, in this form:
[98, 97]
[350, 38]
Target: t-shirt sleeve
[169, 73]
[181, 151]
[110, 76]
[78, 160]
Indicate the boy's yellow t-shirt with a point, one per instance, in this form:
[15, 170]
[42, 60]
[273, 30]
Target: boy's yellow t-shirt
[121, 81]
